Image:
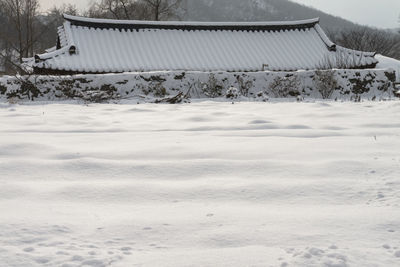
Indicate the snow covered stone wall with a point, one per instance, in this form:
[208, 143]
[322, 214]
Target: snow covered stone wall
[149, 86]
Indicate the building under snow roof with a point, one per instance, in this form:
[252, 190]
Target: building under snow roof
[88, 45]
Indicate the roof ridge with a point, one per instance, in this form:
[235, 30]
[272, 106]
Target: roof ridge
[356, 52]
[331, 45]
[70, 47]
[190, 25]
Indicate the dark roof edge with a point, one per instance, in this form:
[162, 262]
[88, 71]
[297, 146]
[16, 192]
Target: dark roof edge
[169, 25]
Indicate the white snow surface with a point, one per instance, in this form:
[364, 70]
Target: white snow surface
[387, 62]
[202, 184]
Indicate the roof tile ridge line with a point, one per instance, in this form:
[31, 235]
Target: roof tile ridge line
[44, 56]
[188, 23]
[60, 31]
[71, 47]
[331, 45]
[70, 39]
[362, 53]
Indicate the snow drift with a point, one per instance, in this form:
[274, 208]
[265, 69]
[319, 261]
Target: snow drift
[205, 184]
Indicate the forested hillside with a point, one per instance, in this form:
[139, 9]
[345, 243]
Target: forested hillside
[259, 10]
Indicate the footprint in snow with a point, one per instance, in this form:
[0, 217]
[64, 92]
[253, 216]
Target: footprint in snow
[77, 258]
[307, 255]
[42, 260]
[94, 263]
[29, 249]
[316, 251]
[126, 250]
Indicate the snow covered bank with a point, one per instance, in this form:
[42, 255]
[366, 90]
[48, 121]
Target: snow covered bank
[337, 84]
[387, 62]
[205, 184]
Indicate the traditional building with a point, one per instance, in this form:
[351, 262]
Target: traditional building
[87, 45]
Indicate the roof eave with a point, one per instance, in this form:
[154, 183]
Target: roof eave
[177, 25]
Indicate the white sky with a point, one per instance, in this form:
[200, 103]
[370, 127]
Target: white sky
[378, 13]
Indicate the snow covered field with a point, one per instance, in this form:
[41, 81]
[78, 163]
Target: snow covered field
[203, 184]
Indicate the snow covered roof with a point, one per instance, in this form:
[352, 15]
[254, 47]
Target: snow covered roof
[87, 45]
[389, 63]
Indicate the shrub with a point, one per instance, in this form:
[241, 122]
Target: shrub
[232, 93]
[341, 60]
[67, 89]
[391, 76]
[212, 88]
[285, 86]
[27, 89]
[3, 89]
[244, 86]
[361, 86]
[325, 82]
[262, 96]
[103, 94]
[159, 90]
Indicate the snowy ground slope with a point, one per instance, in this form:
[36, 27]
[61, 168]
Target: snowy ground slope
[205, 184]
[387, 62]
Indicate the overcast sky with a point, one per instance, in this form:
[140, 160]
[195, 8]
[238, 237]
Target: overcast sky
[378, 13]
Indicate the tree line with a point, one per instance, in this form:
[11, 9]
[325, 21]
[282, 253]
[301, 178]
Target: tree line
[26, 30]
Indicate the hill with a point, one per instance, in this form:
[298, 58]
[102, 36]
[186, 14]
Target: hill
[259, 10]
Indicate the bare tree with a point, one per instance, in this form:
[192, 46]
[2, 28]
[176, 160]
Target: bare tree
[21, 18]
[367, 39]
[55, 14]
[163, 9]
[137, 9]
[119, 9]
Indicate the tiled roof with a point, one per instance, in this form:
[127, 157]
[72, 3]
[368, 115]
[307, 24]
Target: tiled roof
[101, 46]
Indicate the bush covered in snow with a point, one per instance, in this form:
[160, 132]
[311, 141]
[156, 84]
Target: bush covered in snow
[152, 86]
[232, 93]
[213, 87]
[325, 82]
[286, 86]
